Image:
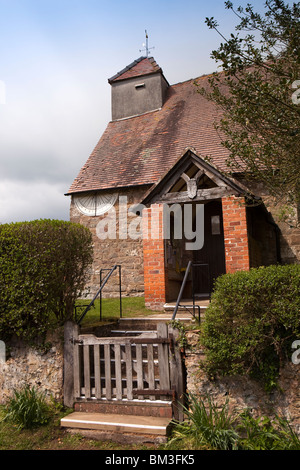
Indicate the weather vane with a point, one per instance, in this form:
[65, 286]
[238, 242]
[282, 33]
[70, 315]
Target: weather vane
[147, 48]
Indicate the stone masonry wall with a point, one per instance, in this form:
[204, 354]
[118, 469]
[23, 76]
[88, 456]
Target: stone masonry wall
[27, 366]
[45, 372]
[289, 229]
[243, 249]
[289, 232]
[241, 392]
[128, 252]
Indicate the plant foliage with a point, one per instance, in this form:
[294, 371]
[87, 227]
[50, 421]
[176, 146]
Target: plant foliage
[27, 408]
[262, 433]
[258, 92]
[213, 427]
[252, 322]
[206, 425]
[43, 270]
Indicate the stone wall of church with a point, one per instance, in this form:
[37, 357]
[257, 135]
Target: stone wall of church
[122, 246]
[287, 220]
[289, 232]
[250, 228]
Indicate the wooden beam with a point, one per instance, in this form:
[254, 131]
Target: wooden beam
[149, 391]
[198, 175]
[185, 177]
[202, 195]
[210, 174]
[90, 339]
[71, 331]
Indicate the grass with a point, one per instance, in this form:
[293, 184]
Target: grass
[131, 307]
[207, 428]
[51, 436]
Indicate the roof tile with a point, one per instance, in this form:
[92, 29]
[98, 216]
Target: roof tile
[140, 150]
[141, 66]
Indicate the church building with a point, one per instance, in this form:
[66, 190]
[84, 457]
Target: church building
[156, 193]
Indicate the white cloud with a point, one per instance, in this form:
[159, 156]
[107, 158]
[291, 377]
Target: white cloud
[45, 138]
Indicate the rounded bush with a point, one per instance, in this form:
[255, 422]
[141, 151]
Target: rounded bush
[44, 266]
[252, 322]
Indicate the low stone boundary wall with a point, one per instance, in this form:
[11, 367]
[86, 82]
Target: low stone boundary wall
[242, 392]
[40, 369]
[44, 370]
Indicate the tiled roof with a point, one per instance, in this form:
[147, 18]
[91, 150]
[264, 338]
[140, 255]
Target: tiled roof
[140, 150]
[141, 66]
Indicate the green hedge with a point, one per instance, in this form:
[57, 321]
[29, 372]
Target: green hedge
[252, 321]
[43, 267]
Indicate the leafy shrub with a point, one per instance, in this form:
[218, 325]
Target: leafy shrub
[27, 408]
[252, 321]
[43, 270]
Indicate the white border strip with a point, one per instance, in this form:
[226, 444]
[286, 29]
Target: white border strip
[82, 421]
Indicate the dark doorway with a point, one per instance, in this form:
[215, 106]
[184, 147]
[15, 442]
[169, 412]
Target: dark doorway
[209, 262]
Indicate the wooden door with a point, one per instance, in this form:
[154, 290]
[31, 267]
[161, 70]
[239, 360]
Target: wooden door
[209, 262]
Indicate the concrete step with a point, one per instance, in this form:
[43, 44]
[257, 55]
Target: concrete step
[149, 323]
[134, 332]
[186, 304]
[117, 423]
[154, 408]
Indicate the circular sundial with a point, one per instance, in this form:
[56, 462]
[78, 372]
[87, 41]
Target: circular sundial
[96, 203]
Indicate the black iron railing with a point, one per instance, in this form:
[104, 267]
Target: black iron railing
[191, 308]
[103, 282]
[120, 287]
[186, 275]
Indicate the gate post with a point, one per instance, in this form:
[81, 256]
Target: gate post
[71, 331]
[177, 378]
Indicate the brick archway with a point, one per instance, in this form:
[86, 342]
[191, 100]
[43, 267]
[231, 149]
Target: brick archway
[155, 271]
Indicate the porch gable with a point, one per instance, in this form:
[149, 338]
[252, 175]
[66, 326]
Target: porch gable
[194, 179]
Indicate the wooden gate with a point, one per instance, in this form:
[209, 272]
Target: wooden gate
[124, 368]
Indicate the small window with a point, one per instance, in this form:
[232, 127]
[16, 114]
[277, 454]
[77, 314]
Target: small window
[215, 225]
[140, 85]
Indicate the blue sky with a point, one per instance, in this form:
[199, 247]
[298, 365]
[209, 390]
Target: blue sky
[55, 59]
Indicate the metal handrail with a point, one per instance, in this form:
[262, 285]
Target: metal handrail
[120, 289]
[181, 289]
[194, 306]
[98, 293]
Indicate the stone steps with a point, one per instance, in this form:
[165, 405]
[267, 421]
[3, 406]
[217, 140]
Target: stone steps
[126, 332]
[149, 323]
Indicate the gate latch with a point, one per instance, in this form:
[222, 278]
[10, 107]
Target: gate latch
[76, 341]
